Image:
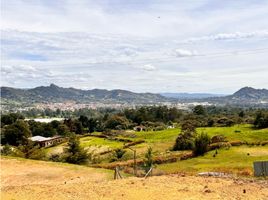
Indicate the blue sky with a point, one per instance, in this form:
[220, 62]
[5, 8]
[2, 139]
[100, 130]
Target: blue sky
[144, 46]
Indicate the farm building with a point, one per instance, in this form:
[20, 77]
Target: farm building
[139, 128]
[46, 141]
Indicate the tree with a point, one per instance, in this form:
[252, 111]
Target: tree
[75, 126]
[188, 125]
[92, 125]
[74, 152]
[10, 118]
[84, 120]
[201, 143]
[16, 133]
[117, 122]
[63, 130]
[49, 130]
[199, 110]
[55, 124]
[36, 128]
[224, 121]
[261, 120]
[148, 161]
[241, 114]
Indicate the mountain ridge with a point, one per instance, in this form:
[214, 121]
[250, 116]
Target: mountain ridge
[54, 93]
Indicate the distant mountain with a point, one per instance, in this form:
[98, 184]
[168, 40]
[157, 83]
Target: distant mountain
[190, 95]
[54, 93]
[251, 94]
[244, 96]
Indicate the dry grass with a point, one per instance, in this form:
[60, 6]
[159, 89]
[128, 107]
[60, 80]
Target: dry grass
[25, 179]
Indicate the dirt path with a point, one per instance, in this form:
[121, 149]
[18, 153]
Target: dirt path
[24, 179]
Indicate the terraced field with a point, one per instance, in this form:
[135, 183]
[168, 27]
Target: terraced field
[237, 160]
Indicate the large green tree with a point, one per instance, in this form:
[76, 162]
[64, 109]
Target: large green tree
[16, 133]
[74, 152]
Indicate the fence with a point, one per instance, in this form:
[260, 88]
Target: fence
[260, 168]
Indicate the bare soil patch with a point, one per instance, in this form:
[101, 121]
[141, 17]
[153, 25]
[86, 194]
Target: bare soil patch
[26, 179]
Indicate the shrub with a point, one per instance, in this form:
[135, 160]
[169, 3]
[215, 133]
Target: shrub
[201, 143]
[56, 158]
[148, 161]
[219, 145]
[6, 150]
[118, 154]
[30, 150]
[184, 141]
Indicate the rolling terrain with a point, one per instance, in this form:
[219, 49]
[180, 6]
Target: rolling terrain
[244, 146]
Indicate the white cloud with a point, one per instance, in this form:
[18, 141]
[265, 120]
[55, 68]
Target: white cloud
[230, 36]
[103, 44]
[185, 53]
[148, 67]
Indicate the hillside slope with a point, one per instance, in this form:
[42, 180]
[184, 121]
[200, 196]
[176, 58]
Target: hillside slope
[54, 93]
[244, 96]
[26, 179]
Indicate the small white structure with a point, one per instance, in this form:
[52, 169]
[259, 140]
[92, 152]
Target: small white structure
[46, 141]
[139, 128]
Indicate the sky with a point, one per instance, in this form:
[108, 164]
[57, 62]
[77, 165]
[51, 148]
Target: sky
[196, 46]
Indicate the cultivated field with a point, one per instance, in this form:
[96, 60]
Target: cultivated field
[234, 160]
[27, 179]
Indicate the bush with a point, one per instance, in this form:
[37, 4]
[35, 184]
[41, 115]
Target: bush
[7, 150]
[184, 141]
[148, 161]
[56, 158]
[219, 145]
[118, 154]
[30, 150]
[201, 143]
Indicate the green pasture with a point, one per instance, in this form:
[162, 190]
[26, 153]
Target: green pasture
[93, 141]
[237, 160]
[242, 132]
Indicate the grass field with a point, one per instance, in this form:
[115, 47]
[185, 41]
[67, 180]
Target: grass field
[237, 160]
[233, 160]
[163, 140]
[244, 133]
[92, 141]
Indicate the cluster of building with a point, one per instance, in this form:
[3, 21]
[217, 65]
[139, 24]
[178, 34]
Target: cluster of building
[76, 106]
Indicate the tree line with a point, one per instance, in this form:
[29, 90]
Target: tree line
[15, 129]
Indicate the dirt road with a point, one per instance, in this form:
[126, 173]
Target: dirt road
[26, 179]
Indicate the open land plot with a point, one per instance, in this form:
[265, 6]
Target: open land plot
[26, 179]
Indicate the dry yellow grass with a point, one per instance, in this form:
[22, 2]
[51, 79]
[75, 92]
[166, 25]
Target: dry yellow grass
[25, 179]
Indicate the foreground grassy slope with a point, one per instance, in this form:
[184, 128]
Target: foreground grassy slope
[23, 179]
[237, 160]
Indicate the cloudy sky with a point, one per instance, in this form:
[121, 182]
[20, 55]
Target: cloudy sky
[211, 46]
